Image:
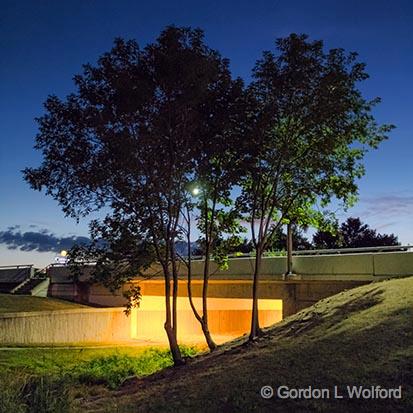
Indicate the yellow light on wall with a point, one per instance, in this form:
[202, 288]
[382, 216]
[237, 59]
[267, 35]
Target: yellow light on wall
[228, 318]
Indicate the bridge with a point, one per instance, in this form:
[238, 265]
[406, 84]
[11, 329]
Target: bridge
[318, 274]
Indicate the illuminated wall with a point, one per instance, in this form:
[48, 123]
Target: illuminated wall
[228, 318]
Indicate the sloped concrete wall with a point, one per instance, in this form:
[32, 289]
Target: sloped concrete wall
[228, 319]
[65, 326]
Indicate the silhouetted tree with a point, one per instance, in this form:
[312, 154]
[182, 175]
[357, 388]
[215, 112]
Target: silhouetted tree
[326, 240]
[353, 234]
[125, 142]
[310, 127]
[216, 170]
[280, 240]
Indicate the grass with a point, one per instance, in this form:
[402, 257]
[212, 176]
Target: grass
[108, 366]
[48, 380]
[361, 337]
[18, 303]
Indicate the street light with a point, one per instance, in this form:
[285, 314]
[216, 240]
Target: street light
[196, 191]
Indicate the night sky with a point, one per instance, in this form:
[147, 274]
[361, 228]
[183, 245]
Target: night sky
[44, 43]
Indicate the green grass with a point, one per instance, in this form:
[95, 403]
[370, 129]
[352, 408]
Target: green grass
[18, 303]
[43, 380]
[361, 337]
[108, 366]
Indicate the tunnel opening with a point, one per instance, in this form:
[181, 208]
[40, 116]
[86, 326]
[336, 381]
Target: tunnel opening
[228, 318]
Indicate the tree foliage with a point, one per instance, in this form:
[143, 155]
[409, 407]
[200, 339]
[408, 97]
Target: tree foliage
[353, 234]
[126, 142]
[309, 130]
[146, 125]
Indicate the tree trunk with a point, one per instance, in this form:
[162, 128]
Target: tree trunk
[204, 325]
[289, 249]
[205, 328]
[255, 325]
[170, 330]
[174, 302]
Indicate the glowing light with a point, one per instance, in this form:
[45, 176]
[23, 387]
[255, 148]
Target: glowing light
[196, 191]
[63, 253]
[228, 318]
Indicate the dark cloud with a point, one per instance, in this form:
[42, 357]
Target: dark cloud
[40, 241]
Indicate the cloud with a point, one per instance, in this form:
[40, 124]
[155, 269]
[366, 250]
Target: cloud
[386, 225]
[389, 206]
[38, 241]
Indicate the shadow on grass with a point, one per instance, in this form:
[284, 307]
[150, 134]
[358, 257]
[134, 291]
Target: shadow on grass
[314, 317]
[360, 303]
[378, 354]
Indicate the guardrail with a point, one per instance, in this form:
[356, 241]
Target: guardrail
[321, 252]
[354, 250]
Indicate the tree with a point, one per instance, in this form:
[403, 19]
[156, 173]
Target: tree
[216, 170]
[354, 234]
[326, 240]
[303, 213]
[280, 240]
[309, 130]
[124, 143]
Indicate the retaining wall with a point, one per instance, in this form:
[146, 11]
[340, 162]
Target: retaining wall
[65, 326]
[229, 318]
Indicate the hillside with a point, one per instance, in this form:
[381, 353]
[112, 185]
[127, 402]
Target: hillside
[16, 303]
[361, 337]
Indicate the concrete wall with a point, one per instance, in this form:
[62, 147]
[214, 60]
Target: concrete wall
[295, 295]
[42, 289]
[361, 266]
[65, 326]
[318, 277]
[228, 319]
[229, 292]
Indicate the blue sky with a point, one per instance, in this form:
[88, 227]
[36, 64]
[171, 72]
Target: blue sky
[44, 43]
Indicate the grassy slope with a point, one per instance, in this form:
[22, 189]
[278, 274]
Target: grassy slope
[362, 336]
[17, 303]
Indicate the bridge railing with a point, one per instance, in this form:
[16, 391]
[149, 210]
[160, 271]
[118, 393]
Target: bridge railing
[391, 248]
[354, 250]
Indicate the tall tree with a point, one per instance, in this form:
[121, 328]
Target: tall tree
[279, 242]
[310, 127]
[124, 143]
[327, 240]
[353, 234]
[216, 171]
